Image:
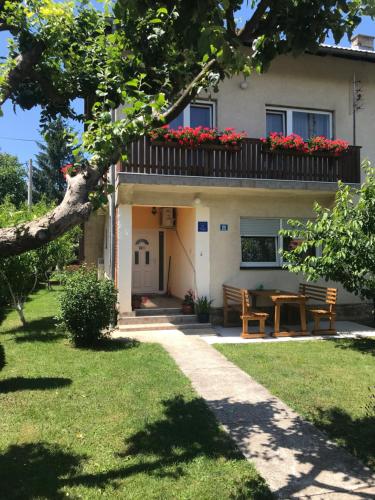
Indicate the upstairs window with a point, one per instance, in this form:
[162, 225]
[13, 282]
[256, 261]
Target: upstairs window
[276, 122]
[306, 123]
[197, 114]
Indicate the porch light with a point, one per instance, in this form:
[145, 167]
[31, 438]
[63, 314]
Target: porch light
[154, 210]
[197, 200]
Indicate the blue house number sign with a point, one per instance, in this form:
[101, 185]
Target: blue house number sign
[202, 226]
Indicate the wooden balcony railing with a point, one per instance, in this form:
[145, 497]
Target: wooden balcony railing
[250, 161]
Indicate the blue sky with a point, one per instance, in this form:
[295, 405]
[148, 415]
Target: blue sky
[25, 125]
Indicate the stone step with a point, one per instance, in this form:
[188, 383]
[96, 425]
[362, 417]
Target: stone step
[162, 326]
[175, 319]
[164, 311]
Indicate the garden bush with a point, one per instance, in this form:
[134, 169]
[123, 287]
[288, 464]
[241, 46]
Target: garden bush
[88, 307]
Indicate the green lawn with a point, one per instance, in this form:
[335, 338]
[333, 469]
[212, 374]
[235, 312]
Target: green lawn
[117, 422]
[325, 381]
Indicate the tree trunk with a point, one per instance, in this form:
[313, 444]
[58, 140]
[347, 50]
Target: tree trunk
[73, 210]
[17, 304]
[19, 309]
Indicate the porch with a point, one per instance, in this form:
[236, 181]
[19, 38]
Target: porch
[249, 161]
[160, 256]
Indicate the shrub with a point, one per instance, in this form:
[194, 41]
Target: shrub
[88, 307]
[2, 357]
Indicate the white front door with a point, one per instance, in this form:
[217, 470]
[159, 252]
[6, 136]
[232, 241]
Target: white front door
[145, 261]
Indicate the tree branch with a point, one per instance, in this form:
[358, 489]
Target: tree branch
[246, 33]
[231, 24]
[24, 64]
[188, 94]
[73, 210]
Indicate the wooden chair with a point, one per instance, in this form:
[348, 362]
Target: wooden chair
[232, 301]
[329, 297]
[249, 315]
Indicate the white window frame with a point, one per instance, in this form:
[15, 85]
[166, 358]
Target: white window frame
[288, 113]
[279, 262]
[202, 103]
[278, 112]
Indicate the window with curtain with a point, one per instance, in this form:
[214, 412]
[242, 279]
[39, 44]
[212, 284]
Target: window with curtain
[308, 124]
[195, 115]
[177, 122]
[275, 122]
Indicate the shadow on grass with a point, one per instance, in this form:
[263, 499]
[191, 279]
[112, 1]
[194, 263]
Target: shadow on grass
[38, 330]
[362, 345]
[187, 432]
[35, 470]
[32, 384]
[355, 434]
[116, 345]
[110, 345]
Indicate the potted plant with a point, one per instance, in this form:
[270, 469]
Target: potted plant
[203, 308]
[136, 301]
[187, 305]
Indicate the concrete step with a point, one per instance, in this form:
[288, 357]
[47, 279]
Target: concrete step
[162, 326]
[175, 319]
[165, 311]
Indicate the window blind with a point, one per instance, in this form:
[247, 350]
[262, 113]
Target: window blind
[259, 227]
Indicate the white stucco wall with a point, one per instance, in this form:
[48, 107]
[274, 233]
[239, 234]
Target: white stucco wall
[313, 82]
[225, 258]
[224, 261]
[182, 252]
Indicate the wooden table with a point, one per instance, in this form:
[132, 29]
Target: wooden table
[279, 297]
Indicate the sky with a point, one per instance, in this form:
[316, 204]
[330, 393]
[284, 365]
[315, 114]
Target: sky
[19, 130]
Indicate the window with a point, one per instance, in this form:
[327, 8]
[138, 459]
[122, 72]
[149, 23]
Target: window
[196, 114]
[309, 124]
[276, 122]
[261, 242]
[304, 122]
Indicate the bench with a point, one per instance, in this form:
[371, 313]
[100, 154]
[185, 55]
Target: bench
[238, 299]
[329, 297]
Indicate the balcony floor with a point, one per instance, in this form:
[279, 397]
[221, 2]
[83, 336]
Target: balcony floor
[224, 182]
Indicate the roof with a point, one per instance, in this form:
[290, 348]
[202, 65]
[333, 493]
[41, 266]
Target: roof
[346, 52]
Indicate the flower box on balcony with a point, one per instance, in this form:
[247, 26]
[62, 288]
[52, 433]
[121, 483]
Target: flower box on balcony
[276, 142]
[212, 147]
[198, 138]
[292, 152]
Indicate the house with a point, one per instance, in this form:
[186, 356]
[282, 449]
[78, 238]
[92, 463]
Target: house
[199, 218]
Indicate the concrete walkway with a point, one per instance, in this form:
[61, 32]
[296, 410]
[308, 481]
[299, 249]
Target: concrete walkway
[295, 459]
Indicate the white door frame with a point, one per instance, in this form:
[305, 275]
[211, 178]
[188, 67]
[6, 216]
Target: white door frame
[155, 233]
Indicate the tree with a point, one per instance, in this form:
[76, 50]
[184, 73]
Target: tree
[48, 180]
[19, 274]
[149, 57]
[345, 234]
[12, 179]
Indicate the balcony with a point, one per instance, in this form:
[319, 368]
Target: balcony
[250, 161]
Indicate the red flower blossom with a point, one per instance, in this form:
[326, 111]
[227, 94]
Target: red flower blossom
[68, 169]
[195, 136]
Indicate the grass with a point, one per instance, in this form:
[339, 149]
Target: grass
[117, 422]
[327, 382]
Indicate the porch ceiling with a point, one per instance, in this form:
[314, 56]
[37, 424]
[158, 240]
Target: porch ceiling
[131, 186]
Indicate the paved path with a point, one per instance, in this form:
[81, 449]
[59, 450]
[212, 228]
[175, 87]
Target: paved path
[295, 459]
